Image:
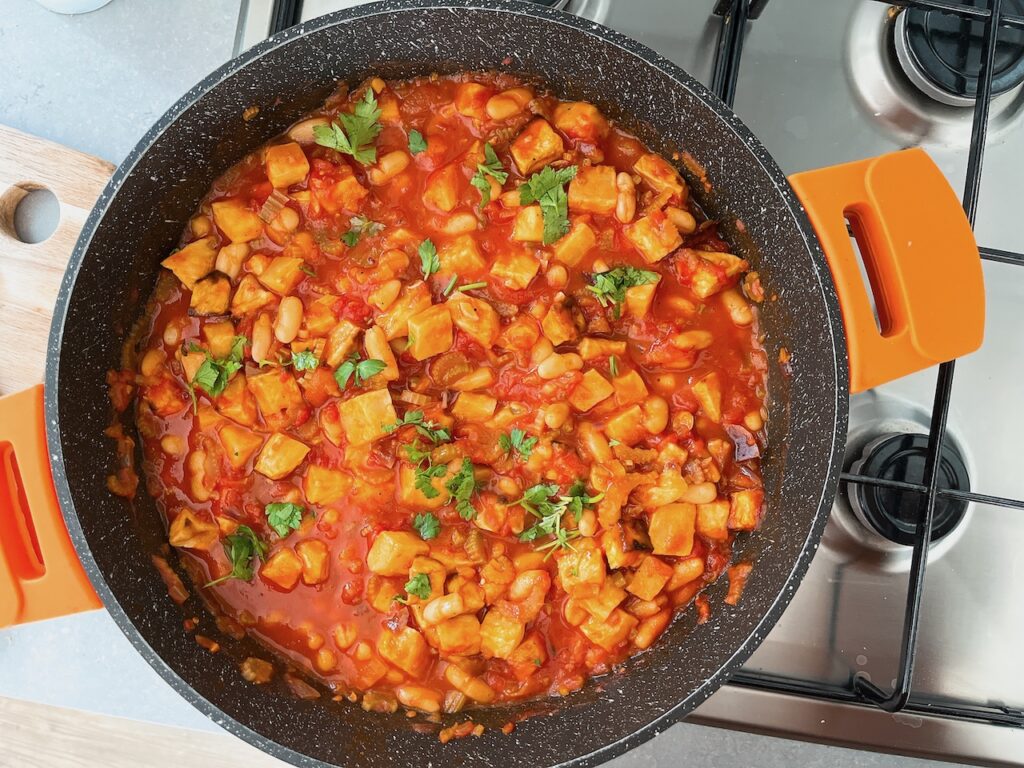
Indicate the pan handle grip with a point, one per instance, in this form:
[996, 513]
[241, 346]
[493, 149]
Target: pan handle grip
[40, 575]
[919, 254]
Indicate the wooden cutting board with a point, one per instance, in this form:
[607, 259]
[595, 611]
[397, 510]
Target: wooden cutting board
[30, 274]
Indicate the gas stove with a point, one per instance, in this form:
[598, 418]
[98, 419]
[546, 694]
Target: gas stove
[887, 645]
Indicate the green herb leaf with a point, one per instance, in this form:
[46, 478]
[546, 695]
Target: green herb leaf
[215, 373]
[547, 187]
[242, 547]
[613, 442]
[427, 525]
[418, 586]
[518, 442]
[490, 167]
[544, 503]
[354, 133]
[462, 485]
[429, 263]
[424, 478]
[610, 287]
[360, 226]
[417, 143]
[308, 270]
[417, 455]
[436, 434]
[284, 517]
[357, 370]
[305, 360]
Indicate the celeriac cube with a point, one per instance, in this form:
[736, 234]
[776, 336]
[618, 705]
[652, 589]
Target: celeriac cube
[430, 332]
[220, 337]
[529, 225]
[236, 401]
[610, 632]
[282, 569]
[286, 164]
[406, 649]
[650, 578]
[557, 324]
[395, 322]
[280, 456]
[476, 318]
[340, 343]
[500, 635]
[604, 602]
[536, 146]
[745, 509]
[626, 426]
[282, 274]
[671, 529]
[192, 262]
[591, 390]
[713, 520]
[515, 269]
[594, 348]
[325, 486]
[365, 416]
[629, 388]
[582, 572]
[461, 256]
[574, 245]
[653, 235]
[662, 177]
[315, 563]
[278, 396]
[708, 391]
[471, 100]
[236, 220]
[239, 444]
[441, 190]
[412, 496]
[393, 552]
[474, 407]
[639, 299]
[459, 636]
[580, 120]
[249, 296]
[593, 190]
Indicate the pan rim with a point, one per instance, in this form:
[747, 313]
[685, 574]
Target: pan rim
[759, 154]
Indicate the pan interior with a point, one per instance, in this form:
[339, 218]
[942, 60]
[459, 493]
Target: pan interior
[140, 216]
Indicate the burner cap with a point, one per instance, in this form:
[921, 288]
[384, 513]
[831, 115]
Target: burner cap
[893, 513]
[941, 53]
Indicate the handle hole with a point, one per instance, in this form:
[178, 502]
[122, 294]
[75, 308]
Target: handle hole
[17, 532]
[29, 213]
[866, 261]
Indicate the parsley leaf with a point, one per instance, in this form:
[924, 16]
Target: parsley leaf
[547, 187]
[543, 502]
[429, 263]
[353, 133]
[427, 525]
[305, 360]
[308, 270]
[213, 375]
[490, 167]
[610, 287]
[428, 429]
[242, 547]
[284, 517]
[418, 586]
[416, 453]
[517, 441]
[357, 370]
[417, 143]
[360, 226]
[462, 486]
[424, 479]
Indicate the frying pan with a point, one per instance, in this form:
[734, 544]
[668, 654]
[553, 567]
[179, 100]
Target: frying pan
[820, 332]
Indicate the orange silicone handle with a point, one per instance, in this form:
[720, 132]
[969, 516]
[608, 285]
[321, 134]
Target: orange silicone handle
[40, 575]
[920, 256]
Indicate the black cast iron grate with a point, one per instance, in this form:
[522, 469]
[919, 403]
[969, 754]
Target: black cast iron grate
[735, 15]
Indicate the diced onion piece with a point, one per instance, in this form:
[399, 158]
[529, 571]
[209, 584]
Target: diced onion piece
[454, 701]
[273, 205]
[414, 398]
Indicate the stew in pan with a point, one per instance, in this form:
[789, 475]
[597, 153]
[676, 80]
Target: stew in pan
[451, 395]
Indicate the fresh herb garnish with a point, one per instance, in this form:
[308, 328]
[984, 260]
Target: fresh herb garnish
[490, 167]
[242, 547]
[613, 365]
[424, 479]
[462, 486]
[305, 360]
[357, 370]
[471, 286]
[429, 263]
[417, 455]
[353, 133]
[308, 270]
[213, 375]
[610, 287]
[543, 502]
[427, 525]
[436, 434]
[360, 226]
[418, 586]
[417, 143]
[613, 442]
[451, 284]
[284, 517]
[547, 187]
[517, 441]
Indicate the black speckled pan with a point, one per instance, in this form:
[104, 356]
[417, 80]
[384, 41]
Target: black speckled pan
[138, 219]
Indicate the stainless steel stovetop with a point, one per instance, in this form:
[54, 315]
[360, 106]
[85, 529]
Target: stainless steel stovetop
[820, 84]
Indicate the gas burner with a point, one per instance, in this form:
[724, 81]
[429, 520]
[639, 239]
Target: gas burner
[941, 53]
[893, 513]
[913, 73]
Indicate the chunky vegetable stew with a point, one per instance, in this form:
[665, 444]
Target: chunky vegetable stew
[452, 396]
